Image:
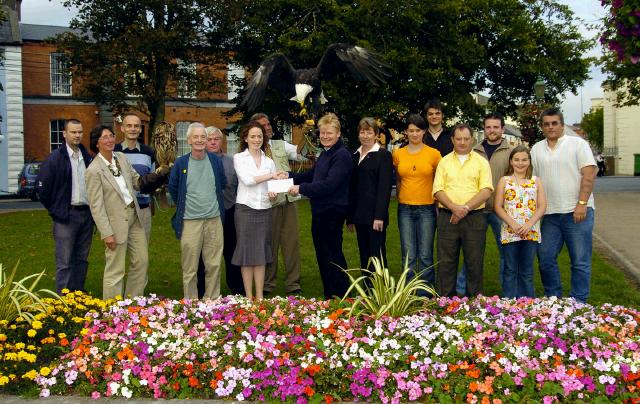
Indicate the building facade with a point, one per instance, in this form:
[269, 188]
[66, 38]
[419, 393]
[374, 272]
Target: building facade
[621, 140]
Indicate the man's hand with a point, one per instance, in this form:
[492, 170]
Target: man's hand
[579, 213]
[110, 242]
[459, 213]
[281, 175]
[163, 170]
[378, 225]
[272, 195]
[294, 190]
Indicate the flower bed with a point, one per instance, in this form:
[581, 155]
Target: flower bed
[486, 349]
[26, 350]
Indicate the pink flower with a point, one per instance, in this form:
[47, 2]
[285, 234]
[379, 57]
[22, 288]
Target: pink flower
[95, 395]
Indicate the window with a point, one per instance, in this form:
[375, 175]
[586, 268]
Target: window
[235, 74]
[181, 134]
[60, 74]
[56, 127]
[186, 78]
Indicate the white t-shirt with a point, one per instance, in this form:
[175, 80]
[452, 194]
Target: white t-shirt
[559, 168]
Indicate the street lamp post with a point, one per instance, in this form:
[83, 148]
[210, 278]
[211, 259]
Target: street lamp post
[539, 88]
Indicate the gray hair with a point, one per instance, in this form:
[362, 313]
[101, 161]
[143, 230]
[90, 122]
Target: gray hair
[193, 126]
[211, 130]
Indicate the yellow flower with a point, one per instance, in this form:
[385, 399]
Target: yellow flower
[64, 291]
[31, 348]
[30, 374]
[3, 338]
[51, 332]
[36, 325]
[45, 371]
[3, 323]
[20, 345]
[62, 335]
[60, 319]
[31, 333]
[3, 380]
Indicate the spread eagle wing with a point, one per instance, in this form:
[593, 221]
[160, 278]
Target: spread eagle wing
[361, 63]
[275, 72]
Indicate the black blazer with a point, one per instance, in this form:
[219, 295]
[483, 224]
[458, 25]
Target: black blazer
[370, 188]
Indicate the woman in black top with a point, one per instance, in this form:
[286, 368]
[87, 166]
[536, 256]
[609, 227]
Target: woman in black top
[369, 193]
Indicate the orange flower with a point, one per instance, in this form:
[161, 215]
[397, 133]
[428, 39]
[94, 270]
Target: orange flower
[328, 399]
[473, 373]
[485, 400]
[64, 342]
[213, 384]
[313, 369]
[194, 382]
[473, 386]
[144, 322]
[309, 391]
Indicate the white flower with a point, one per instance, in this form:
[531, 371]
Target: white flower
[126, 392]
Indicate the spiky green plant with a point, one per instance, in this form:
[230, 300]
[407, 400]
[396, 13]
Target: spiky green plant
[384, 295]
[19, 298]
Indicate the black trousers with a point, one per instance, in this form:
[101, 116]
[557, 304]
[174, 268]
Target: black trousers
[232, 272]
[470, 234]
[326, 231]
[371, 243]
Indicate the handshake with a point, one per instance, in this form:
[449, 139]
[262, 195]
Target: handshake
[280, 175]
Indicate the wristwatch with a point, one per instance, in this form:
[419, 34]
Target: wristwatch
[582, 202]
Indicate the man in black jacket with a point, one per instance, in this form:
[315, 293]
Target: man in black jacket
[62, 191]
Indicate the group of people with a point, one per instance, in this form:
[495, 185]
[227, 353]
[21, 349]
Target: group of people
[448, 191]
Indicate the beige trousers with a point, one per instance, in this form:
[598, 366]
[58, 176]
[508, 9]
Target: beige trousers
[284, 236]
[201, 237]
[115, 262]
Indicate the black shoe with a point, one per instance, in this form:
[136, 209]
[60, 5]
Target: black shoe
[296, 292]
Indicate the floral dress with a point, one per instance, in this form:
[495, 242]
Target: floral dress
[520, 202]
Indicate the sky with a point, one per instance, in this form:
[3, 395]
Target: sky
[51, 12]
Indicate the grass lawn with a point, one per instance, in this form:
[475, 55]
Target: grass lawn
[27, 236]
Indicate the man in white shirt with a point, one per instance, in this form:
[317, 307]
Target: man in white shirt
[284, 219]
[568, 170]
[61, 187]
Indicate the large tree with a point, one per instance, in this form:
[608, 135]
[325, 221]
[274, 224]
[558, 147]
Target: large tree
[621, 41]
[137, 49]
[593, 124]
[446, 49]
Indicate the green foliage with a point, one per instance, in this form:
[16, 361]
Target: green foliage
[529, 122]
[384, 296]
[19, 298]
[593, 124]
[445, 49]
[620, 39]
[132, 49]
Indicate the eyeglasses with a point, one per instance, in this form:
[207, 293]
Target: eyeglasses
[550, 124]
[108, 136]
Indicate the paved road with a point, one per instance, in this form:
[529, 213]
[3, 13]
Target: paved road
[617, 184]
[14, 204]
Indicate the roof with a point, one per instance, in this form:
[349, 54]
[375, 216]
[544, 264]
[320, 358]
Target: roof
[35, 32]
[512, 130]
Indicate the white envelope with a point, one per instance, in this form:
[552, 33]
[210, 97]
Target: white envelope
[279, 186]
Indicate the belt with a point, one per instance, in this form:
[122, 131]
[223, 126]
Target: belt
[143, 205]
[471, 212]
[131, 205]
[79, 207]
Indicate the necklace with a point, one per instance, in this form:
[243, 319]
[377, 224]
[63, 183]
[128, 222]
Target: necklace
[116, 171]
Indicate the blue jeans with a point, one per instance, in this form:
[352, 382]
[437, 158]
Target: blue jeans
[494, 221]
[518, 268]
[417, 225]
[556, 230]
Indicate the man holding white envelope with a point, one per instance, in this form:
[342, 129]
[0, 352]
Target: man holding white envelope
[284, 221]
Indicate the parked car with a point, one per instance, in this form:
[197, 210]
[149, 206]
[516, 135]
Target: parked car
[27, 180]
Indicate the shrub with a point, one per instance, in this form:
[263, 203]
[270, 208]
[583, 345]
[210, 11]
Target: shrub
[379, 294]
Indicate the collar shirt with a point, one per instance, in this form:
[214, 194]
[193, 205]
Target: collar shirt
[124, 146]
[249, 193]
[122, 184]
[462, 181]
[373, 149]
[78, 168]
[559, 169]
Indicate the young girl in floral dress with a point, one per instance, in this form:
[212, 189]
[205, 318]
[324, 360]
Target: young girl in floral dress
[520, 202]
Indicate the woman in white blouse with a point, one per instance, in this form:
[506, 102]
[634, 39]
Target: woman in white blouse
[253, 204]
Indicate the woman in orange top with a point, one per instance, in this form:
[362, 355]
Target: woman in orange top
[415, 166]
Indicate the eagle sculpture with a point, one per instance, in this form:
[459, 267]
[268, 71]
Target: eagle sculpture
[305, 84]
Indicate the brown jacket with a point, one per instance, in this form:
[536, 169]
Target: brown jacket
[499, 163]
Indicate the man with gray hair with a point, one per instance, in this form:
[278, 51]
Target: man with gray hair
[196, 184]
[284, 219]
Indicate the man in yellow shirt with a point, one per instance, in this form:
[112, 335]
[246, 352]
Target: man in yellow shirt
[462, 185]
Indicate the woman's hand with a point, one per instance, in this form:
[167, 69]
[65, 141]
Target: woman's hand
[110, 242]
[294, 190]
[281, 175]
[524, 229]
[272, 195]
[378, 225]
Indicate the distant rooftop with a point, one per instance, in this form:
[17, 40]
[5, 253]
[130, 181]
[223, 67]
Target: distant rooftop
[35, 32]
